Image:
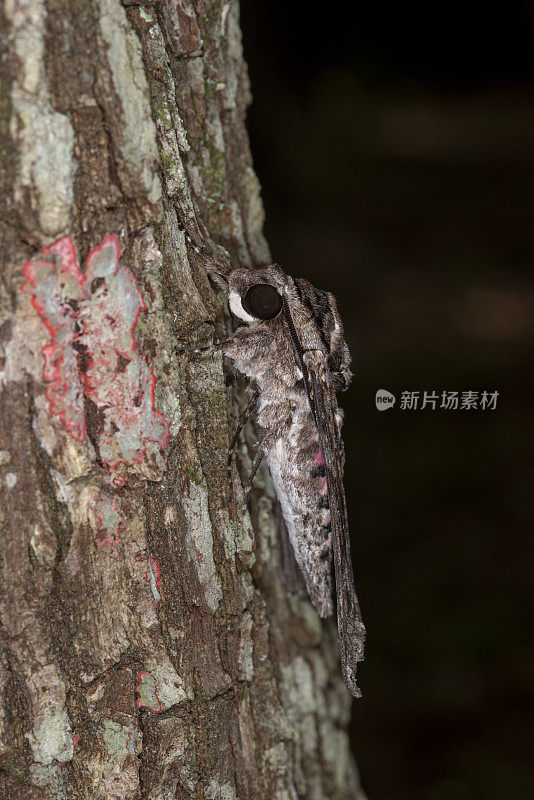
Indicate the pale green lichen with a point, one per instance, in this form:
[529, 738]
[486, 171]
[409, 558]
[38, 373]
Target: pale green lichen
[200, 542]
[336, 754]
[51, 735]
[299, 688]
[135, 139]
[145, 15]
[175, 252]
[120, 741]
[169, 127]
[169, 685]
[219, 791]
[197, 480]
[52, 778]
[43, 137]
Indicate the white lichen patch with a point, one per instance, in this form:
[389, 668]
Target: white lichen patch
[169, 685]
[43, 545]
[21, 356]
[238, 536]
[147, 692]
[200, 541]
[51, 735]
[11, 480]
[135, 139]
[299, 688]
[145, 15]
[219, 791]
[44, 138]
[278, 764]
[52, 778]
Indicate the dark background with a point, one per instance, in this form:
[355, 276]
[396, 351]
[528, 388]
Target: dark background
[396, 153]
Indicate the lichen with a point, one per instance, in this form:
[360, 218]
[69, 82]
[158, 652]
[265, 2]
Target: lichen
[135, 139]
[104, 306]
[219, 791]
[118, 380]
[120, 741]
[200, 541]
[43, 137]
[110, 521]
[170, 686]
[51, 735]
[147, 690]
[170, 131]
[159, 687]
[52, 283]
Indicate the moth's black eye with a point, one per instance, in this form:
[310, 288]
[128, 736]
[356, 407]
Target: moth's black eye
[262, 301]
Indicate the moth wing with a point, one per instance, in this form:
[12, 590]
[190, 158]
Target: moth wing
[351, 631]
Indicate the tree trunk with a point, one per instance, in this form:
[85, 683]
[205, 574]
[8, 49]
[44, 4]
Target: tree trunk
[150, 647]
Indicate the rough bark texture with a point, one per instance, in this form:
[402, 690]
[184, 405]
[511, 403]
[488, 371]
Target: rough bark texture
[149, 646]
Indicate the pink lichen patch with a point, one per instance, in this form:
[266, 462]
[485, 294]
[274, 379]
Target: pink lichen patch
[152, 575]
[147, 691]
[110, 521]
[98, 313]
[118, 380]
[52, 282]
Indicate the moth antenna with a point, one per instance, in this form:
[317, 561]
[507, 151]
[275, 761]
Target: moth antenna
[215, 268]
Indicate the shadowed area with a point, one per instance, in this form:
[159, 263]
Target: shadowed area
[396, 155]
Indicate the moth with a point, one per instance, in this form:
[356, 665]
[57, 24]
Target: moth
[289, 342]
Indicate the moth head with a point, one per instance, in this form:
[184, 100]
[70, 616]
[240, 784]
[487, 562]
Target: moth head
[218, 272]
[253, 296]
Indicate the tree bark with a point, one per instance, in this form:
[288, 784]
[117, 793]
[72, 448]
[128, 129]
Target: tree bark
[150, 647]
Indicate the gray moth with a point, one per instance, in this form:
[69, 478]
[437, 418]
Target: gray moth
[289, 342]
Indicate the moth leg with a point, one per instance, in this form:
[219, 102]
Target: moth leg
[233, 347]
[210, 348]
[258, 458]
[243, 419]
